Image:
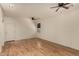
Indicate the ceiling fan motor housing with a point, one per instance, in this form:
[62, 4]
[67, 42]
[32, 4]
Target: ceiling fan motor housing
[60, 4]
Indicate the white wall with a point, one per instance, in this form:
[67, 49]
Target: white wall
[63, 29]
[1, 28]
[16, 29]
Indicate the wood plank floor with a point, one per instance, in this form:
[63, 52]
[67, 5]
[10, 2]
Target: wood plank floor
[36, 47]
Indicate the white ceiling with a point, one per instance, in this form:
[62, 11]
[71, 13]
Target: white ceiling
[38, 10]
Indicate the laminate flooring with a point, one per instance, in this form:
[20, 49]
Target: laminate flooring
[36, 47]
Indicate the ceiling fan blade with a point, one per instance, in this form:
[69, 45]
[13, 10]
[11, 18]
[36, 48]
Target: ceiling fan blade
[71, 5]
[57, 9]
[66, 3]
[65, 7]
[54, 7]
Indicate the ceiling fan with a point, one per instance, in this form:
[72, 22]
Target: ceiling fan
[62, 5]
